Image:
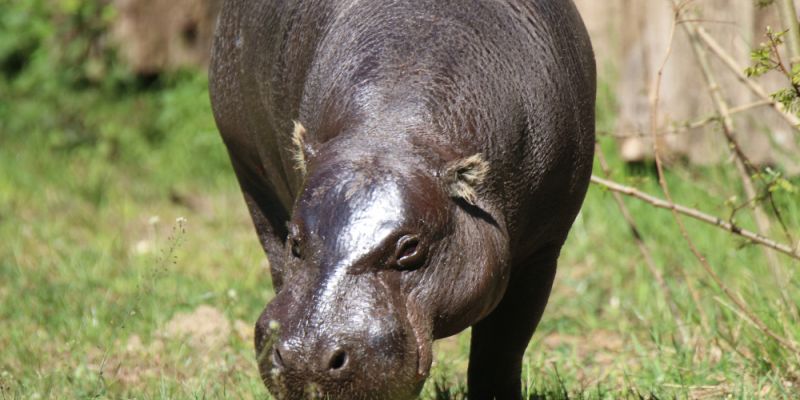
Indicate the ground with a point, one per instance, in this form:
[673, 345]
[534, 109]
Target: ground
[129, 269]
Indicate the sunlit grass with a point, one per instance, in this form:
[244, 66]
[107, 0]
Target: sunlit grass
[96, 273]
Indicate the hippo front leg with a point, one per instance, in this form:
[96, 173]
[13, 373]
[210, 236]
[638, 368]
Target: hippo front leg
[269, 218]
[499, 341]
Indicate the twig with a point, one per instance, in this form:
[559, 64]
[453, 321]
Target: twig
[683, 128]
[697, 301]
[778, 213]
[698, 215]
[782, 67]
[749, 106]
[676, 216]
[789, 19]
[744, 167]
[737, 70]
[648, 257]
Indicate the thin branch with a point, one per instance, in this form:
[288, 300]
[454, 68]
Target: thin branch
[698, 215]
[696, 299]
[743, 165]
[778, 213]
[683, 128]
[782, 67]
[648, 257]
[737, 70]
[789, 16]
[676, 216]
[727, 60]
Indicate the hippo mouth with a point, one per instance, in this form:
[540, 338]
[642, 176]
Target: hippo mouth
[391, 365]
[424, 350]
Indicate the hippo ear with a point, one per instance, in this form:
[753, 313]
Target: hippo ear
[462, 177]
[301, 150]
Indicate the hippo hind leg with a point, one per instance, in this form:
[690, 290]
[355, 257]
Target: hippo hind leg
[499, 340]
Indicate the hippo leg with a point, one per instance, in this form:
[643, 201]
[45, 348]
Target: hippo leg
[499, 341]
[269, 218]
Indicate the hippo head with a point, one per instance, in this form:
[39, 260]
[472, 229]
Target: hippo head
[384, 255]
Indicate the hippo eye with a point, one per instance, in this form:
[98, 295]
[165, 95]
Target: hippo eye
[410, 254]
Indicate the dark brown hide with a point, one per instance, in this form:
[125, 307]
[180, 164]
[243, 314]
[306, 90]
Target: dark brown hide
[445, 148]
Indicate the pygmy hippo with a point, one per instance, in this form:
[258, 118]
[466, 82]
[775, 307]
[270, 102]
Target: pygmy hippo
[412, 168]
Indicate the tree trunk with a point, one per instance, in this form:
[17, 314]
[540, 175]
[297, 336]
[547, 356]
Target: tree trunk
[631, 38]
[158, 35]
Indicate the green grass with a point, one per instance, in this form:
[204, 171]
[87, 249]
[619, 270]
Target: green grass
[98, 279]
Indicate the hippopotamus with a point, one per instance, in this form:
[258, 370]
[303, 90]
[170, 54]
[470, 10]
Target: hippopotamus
[412, 169]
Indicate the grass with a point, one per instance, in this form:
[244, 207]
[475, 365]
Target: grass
[129, 269]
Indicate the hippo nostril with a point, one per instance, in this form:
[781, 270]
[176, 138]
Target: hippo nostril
[277, 360]
[338, 360]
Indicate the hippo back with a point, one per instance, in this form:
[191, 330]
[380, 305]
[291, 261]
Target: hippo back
[511, 79]
[412, 168]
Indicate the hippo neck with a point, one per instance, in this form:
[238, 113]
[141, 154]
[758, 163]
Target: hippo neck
[375, 149]
[372, 111]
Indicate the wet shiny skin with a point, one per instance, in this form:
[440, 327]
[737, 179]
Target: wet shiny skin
[372, 253]
[348, 238]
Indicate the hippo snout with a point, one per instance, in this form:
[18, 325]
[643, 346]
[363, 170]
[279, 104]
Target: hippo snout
[332, 363]
[330, 369]
[333, 352]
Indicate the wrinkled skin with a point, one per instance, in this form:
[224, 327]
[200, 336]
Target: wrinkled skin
[373, 254]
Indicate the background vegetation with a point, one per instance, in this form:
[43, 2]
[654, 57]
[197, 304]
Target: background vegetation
[129, 267]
